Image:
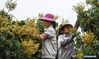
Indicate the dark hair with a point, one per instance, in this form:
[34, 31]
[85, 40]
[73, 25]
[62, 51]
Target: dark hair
[60, 31]
[53, 24]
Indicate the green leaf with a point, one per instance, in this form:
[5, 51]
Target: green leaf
[2, 38]
[4, 33]
[7, 53]
[96, 44]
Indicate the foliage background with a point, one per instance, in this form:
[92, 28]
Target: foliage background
[20, 39]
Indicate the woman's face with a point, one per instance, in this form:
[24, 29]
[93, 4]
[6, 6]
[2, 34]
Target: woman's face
[66, 30]
[46, 24]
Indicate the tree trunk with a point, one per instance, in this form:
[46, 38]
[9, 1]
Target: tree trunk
[77, 24]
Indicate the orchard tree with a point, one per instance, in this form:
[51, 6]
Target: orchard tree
[88, 21]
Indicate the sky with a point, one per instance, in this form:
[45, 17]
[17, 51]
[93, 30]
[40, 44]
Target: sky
[31, 8]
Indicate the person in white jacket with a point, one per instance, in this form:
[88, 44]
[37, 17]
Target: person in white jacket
[49, 43]
[65, 43]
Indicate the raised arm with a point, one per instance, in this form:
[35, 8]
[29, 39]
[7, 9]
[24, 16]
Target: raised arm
[66, 41]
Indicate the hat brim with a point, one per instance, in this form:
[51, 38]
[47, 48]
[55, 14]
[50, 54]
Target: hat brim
[67, 25]
[47, 19]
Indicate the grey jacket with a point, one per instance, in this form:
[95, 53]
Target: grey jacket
[49, 45]
[65, 47]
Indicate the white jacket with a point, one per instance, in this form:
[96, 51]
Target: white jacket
[49, 45]
[65, 47]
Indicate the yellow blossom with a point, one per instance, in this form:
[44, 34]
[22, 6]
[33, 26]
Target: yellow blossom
[73, 30]
[79, 54]
[30, 47]
[88, 38]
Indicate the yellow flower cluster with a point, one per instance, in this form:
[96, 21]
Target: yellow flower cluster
[32, 36]
[73, 30]
[31, 41]
[79, 55]
[79, 7]
[30, 30]
[89, 38]
[4, 23]
[98, 3]
[11, 5]
[30, 47]
[88, 21]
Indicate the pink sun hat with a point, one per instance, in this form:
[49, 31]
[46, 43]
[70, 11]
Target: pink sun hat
[48, 17]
